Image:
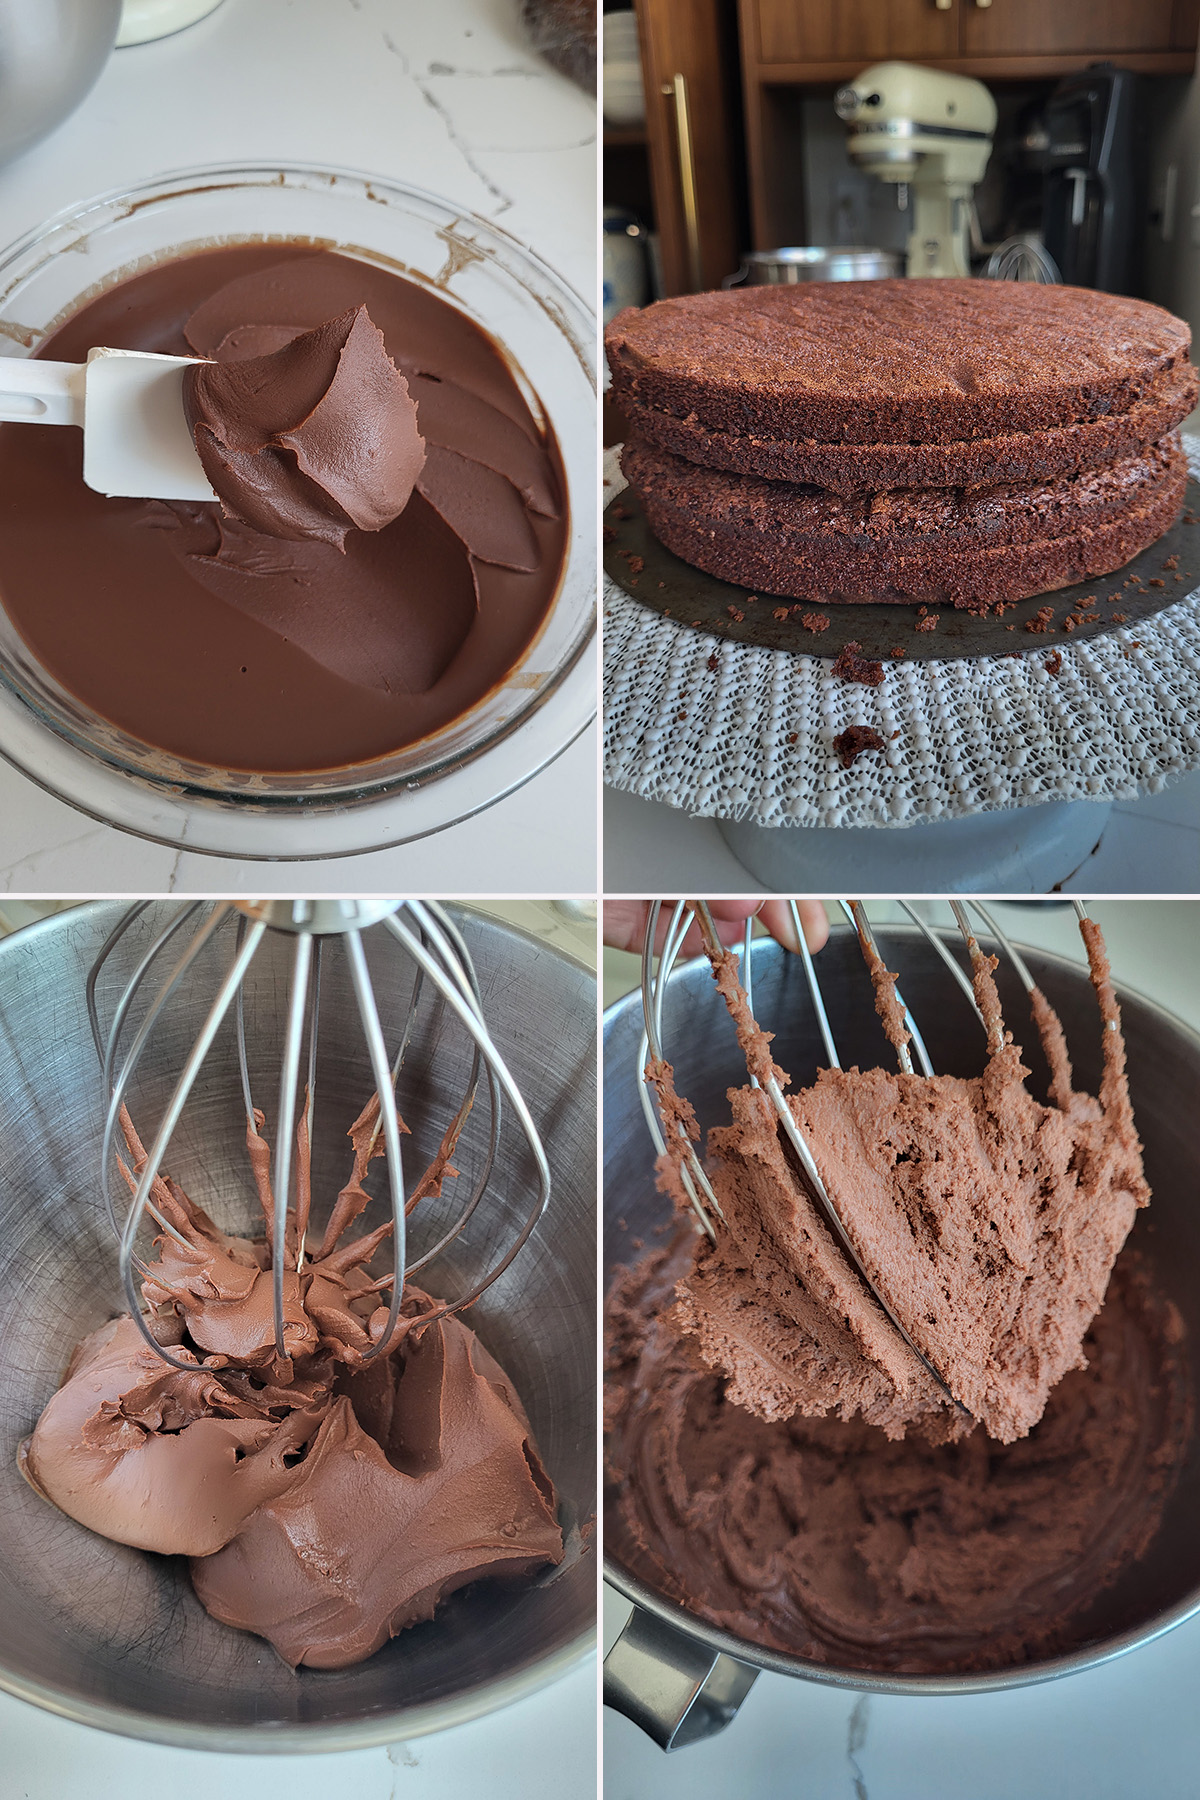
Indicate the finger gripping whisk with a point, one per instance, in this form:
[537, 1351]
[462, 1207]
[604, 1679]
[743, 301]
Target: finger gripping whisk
[442, 971]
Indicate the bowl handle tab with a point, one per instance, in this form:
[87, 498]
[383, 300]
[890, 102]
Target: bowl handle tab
[677, 1689]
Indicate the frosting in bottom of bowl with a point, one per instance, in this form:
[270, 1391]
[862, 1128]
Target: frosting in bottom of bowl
[825, 1539]
[326, 1501]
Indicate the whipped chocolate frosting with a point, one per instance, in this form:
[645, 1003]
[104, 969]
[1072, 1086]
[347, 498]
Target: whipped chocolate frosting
[148, 1456]
[235, 647]
[375, 1529]
[826, 1539]
[312, 439]
[326, 1503]
[989, 1222]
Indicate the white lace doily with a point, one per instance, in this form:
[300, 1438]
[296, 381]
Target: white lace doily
[752, 737]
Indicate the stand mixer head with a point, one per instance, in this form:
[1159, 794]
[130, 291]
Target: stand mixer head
[930, 133]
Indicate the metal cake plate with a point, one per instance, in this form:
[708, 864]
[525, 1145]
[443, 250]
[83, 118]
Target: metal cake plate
[649, 573]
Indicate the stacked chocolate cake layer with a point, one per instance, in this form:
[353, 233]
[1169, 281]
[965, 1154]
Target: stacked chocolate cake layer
[899, 441]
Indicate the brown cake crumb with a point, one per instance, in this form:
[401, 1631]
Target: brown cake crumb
[714, 662]
[1155, 582]
[780, 612]
[815, 622]
[1042, 621]
[1172, 562]
[852, 666]
[930, 622]
[636, 563]
[1119, 618]
[610, 532]
[735, 613]
[851, 743]
[792, 736]
[1054, 663]
[898, 651]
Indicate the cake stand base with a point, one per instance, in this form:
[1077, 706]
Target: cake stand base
[1022, 850]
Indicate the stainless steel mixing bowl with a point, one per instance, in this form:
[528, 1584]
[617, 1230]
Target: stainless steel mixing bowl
[51, 54]
[814, 262]
[112, 1637]
[681, 1679]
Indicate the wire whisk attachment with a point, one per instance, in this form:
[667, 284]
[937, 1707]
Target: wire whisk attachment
[319, 928]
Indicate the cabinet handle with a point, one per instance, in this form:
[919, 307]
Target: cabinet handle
[983, 3]
[943, 5]
[676, 89]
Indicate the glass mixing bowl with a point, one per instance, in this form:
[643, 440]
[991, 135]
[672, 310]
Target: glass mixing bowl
[548, 335]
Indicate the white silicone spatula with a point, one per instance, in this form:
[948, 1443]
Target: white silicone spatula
[129, 403]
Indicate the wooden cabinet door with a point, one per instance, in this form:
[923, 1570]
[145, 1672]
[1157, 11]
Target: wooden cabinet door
[857, 31]
[688, 65]
[1092, 28]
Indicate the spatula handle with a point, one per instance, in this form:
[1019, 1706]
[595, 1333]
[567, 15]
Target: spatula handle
[34, 392]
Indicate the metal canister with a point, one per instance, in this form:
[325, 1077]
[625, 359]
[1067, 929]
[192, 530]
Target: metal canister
[815, 262]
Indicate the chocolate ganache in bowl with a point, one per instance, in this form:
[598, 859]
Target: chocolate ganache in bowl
[391, 582]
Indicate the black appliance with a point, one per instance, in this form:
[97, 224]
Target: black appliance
[1086, 144]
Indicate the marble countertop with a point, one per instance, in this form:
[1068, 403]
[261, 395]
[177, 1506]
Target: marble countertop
[446, 96]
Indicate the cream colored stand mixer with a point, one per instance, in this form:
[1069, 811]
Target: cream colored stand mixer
[931, 134]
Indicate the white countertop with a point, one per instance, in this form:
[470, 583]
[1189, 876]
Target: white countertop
[1120, 1732]
[446, 95]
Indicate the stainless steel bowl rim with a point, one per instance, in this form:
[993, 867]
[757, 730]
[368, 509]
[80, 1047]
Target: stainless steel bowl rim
[807, 253]
[863, 1680]
[268, 1739]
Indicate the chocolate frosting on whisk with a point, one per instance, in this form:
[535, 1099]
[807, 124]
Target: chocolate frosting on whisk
[988, 1222]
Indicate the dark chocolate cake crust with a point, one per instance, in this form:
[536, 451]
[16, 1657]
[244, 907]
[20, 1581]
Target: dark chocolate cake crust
[859, 468]
[905, 362]
[969, 547]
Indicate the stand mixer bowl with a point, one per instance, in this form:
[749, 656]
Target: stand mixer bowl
[112, 1637]
[675, 1675]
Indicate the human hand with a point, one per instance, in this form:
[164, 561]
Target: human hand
[625, 923]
